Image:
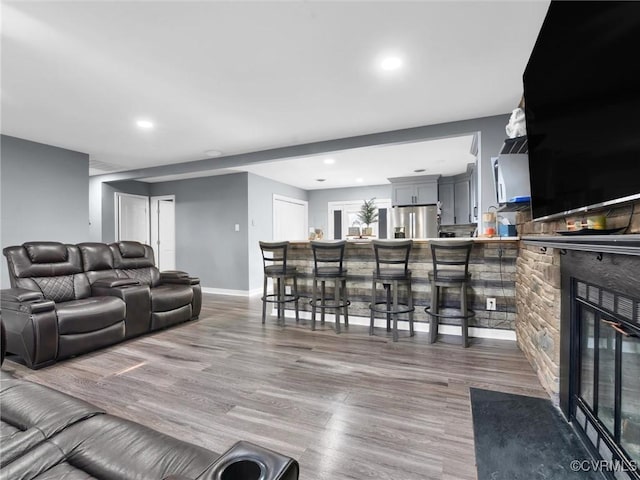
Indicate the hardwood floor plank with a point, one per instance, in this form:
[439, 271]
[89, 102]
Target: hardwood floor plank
[348, 406]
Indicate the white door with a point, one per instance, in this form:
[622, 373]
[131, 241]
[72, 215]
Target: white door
[163, 231]
[132, 217]
[289, 218]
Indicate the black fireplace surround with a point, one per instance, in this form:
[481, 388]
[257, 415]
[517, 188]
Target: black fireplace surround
[600, 346]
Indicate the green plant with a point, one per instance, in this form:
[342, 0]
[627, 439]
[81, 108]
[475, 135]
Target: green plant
[368, 213]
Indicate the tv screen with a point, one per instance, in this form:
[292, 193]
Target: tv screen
[582, 107]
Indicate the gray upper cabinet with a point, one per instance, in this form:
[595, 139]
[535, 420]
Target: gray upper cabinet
[462, 210]
[447, 202]
[458, 198]
[418, 190]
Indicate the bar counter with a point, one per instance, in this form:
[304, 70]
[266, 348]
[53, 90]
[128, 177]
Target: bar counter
[492, 266]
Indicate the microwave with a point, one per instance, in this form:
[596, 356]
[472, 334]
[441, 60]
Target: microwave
[511, 172]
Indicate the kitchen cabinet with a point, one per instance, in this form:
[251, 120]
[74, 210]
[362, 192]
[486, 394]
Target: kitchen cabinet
[458, 198]
[418, 190]
[446, 195]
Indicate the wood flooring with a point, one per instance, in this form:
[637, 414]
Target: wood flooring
[348, 406]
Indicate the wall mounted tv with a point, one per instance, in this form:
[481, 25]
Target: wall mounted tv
[582, 107]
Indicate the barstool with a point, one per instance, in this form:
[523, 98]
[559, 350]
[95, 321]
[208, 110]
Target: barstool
[392, 270]
[274, 259]
[454, 256]
[328, 265]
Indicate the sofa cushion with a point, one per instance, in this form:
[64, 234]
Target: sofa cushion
[110, 448]
[46, 252]
[32, 413]
[169, 297]
[89, 314]
[22, 262]
[58, 289]
[145, 275]
[96, 256]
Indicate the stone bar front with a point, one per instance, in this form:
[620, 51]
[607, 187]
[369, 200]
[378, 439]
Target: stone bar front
[492, 266]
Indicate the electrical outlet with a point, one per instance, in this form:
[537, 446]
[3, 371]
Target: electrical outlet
[491, 303]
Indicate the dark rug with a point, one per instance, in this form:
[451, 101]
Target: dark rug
[524, 438]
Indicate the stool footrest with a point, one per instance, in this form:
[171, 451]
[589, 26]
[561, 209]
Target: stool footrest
[470, 314]
[407, 308]
[275, 298]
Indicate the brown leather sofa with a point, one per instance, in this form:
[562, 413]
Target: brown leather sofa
[67, 300]
[48, 435]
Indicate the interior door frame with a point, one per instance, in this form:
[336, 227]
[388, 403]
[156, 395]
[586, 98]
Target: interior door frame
[154, 238]
[116, 213]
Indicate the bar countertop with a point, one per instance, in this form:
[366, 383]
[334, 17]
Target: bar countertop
[427, 240]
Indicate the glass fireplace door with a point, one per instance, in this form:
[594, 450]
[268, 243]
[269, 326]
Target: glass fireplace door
[608, 387]
[630, 397]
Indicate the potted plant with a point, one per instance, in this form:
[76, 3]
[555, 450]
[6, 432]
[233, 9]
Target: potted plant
[368, 214]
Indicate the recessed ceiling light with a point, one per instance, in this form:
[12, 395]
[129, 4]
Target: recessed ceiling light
[419, 170]
[146, 124]
[391, 63]
[359, 180]
[320, 179]
[329, 161]
[213, 153]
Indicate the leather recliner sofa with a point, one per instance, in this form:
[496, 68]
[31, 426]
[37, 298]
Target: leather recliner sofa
[48, 435]
[71, 299]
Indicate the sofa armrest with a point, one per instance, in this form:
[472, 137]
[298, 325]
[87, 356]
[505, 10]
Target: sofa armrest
[23, 300]
[114, 282]
[31, 326]
[246, 461]
[21, 295]
[179, 277]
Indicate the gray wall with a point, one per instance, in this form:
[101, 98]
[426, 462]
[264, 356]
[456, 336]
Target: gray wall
[319, 199]
[207, 246]
[44, 194]
[109, 189]
[260, 199]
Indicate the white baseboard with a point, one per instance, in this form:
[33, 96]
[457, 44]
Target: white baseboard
[477, 332]
[233, 293]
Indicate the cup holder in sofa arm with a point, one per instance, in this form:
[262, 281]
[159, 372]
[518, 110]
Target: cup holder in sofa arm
[246, 461]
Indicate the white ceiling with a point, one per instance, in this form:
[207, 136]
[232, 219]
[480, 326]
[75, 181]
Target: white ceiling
[358, 166]
[247, 76]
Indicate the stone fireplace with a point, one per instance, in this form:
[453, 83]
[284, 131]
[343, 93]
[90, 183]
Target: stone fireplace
[592, 284]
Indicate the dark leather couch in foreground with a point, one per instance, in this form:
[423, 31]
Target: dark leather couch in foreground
[71, 299]
[48, 435]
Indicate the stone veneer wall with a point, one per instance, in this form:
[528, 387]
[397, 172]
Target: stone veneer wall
[537, 322]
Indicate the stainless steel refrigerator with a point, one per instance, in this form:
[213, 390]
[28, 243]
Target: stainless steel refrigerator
[415, 222]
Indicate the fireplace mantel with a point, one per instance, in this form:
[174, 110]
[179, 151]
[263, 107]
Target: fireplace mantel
[616, 244]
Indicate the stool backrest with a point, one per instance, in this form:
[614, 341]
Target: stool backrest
[274, 253]
[328, 254]
[450, 253]
[392, 252]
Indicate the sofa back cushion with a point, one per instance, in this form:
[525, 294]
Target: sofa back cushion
[52, 268]
[135, 260]
[97, 261]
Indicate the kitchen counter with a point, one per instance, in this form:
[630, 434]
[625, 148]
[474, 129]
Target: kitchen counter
[427, 240]
[492, 265]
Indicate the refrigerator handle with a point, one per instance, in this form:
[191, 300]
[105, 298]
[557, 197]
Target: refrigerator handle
[412, 224]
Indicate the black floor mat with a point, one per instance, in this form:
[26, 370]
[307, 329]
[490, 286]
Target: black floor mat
[524, 438]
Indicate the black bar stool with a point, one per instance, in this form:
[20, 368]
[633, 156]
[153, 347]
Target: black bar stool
[274, 259]
[392, 270]
[328, 260]
[450, 269]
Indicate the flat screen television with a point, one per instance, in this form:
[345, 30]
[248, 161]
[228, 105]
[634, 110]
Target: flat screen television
[582, 108]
